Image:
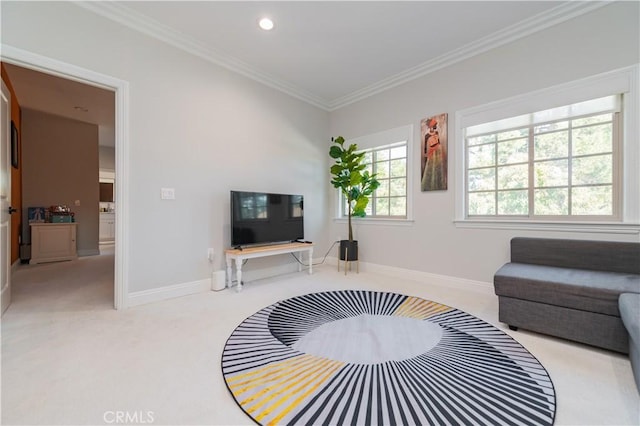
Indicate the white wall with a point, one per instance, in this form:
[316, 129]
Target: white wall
[194, 127]
[204, 130]
[600, 41]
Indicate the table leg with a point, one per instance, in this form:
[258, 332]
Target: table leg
[239, 274]
[229, 271]
[300, 262]
[310, 261]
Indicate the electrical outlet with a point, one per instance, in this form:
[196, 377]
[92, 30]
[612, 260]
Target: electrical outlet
[210, 254]
[167, 193]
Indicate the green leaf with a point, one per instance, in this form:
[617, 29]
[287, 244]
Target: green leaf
[336, 169]
[335, 151]
[355, 178]
[361, 203]
[354, 193]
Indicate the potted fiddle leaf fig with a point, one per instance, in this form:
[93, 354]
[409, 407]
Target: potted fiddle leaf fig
[355, 183]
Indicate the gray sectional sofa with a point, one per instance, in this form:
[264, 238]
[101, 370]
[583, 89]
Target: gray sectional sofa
[572, 289]
[630, 312]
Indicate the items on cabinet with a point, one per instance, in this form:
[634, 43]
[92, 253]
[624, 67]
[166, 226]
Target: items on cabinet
[54, 214]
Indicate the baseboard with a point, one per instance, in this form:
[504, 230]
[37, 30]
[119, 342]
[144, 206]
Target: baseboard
[14, 265]
[410, 274]
[168, 292]
[5, 299]
[88, 252]
[184, 289]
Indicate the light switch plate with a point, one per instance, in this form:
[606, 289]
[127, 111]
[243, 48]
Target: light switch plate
[167, 193]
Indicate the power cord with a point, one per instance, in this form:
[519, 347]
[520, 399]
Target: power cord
[319, 263]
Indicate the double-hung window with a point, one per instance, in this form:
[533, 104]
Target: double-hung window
[386, 155]
[563, 158]
[559, 163]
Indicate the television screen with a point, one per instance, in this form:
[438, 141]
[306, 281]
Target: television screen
[263, 218]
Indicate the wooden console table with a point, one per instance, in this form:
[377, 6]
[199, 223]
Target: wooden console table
[239, 255]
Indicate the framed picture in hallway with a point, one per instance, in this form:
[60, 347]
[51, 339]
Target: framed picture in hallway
[433, 173]
[36, 214]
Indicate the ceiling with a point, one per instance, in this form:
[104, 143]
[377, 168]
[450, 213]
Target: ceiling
[331, 49]
[66, 98]
[327, 53]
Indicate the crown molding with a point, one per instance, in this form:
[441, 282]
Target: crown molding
[142, 23]
[507, 35]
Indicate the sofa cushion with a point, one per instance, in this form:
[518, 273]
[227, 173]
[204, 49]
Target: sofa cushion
[592, 291]
[579, 254]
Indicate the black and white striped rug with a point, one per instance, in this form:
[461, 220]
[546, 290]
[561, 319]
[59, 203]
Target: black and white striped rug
[365, 357]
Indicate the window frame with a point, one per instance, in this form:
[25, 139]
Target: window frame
[531, 162]
[624, 81]
[383, 140]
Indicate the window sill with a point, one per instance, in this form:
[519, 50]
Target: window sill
[583, 227]
[378, 221]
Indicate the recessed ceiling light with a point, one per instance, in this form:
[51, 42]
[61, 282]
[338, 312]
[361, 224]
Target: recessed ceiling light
[266, 24]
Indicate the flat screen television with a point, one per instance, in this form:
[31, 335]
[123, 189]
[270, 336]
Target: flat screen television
[265, 218]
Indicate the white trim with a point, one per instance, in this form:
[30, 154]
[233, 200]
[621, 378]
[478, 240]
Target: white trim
[582, 227]
[625, 80]
[5, 298]
[631, 148]
[51, 66]
[15, 265]
[142, 23]
[169, 292]
[410, 274]
[597, 86]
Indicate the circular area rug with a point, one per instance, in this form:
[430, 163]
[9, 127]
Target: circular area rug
[365, 357]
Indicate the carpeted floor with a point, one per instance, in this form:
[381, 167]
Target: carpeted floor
[68, 358]
[364, 357]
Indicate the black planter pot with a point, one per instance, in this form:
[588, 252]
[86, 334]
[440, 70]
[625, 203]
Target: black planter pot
[348, 250]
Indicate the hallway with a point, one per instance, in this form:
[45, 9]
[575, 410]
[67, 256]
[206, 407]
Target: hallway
[49, 288]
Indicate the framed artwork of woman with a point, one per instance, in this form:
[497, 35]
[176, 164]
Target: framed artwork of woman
[434, 153]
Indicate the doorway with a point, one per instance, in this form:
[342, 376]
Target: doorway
[120, 90]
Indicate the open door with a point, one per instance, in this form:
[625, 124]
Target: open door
[5, 199]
